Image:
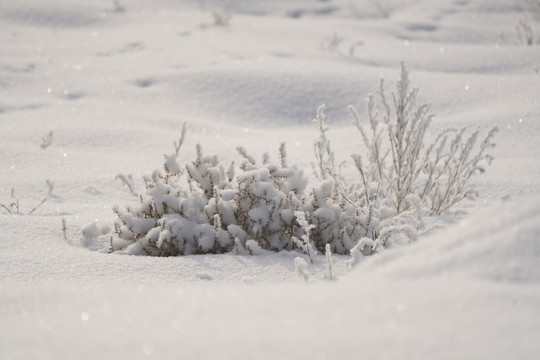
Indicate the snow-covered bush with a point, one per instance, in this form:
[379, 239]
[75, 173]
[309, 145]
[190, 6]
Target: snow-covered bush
[202, 208]
[346, 213]
[409, 172]
[205, 207]
[401, 178]
[267, 196]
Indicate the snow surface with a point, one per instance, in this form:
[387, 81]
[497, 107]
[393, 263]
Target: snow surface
[115, 83]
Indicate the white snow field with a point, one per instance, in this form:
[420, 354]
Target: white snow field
[114, 81]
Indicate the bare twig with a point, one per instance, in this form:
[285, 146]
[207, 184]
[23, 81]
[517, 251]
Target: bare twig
[127, 180]
[38, 206]
[178, 145]
[46, 140]
[50, 186]
[64, 229]
[6, 208]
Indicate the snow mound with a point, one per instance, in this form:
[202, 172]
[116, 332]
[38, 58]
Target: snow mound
[261, 98]
[501, 243]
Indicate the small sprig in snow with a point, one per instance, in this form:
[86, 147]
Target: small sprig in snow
[14, 207]
[323, 153]
[47, 140]
[127, 180]
[305, 244]
[329, 262]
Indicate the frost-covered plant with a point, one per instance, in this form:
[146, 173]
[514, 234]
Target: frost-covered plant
[401, 178]
[340, 211]
[175, 217]
[409, 172]
[305, 243]
[202, 208]
[267, 196]
[329, 261]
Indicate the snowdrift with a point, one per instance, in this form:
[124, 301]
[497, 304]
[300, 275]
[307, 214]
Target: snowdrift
[500, 244]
